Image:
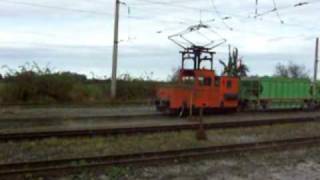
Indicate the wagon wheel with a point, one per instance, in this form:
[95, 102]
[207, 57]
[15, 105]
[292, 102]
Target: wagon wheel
[305, 105]
[311, 106]
[182, 111]
[264, 105]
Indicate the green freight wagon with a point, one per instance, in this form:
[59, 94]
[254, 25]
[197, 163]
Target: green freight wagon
[317, 94]
[275, 93]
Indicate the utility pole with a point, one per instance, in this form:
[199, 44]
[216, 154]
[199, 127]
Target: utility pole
[315, 75]
[256, 11]
[115, 52]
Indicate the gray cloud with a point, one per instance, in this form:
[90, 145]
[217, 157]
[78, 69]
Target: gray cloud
[81, 41]
[134, 60]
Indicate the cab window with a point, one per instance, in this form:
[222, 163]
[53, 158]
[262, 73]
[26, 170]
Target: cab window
[188, 80]
[217, 81]
[205, 81]
[229, 84]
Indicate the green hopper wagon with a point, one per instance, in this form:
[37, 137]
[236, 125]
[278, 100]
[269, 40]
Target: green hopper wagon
[275, 93]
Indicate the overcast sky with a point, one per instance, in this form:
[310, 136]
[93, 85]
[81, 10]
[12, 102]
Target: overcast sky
[76, 35]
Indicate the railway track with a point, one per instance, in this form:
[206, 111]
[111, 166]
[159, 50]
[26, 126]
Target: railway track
[5, 137]
[95, 117]
[137, 116]
[70, 165]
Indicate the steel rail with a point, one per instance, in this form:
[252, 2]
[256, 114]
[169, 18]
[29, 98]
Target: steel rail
[148, 157]
[125, 116]
[24, 136]
[117, 117]
[95, 117]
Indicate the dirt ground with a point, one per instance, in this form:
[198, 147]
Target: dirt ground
[299, 164]
[245, 167]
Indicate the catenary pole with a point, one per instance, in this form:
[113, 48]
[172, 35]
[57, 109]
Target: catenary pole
[316, 60]
[115, 51]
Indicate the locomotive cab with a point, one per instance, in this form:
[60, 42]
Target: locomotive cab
[198, 87]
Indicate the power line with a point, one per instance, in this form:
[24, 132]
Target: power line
[275, 7]
[256, 8]
[171, 5]
[55, 7]
[220, 16]
[281, 8]
[233, 14]
[166, 4]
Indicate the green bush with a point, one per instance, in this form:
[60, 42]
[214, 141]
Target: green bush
[2, 86]
[32, 84]
[29, 86]
[136, 89]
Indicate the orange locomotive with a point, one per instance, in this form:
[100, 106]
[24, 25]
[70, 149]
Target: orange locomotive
[198, 87]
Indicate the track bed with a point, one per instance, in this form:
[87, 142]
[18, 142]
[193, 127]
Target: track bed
[142, 117]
